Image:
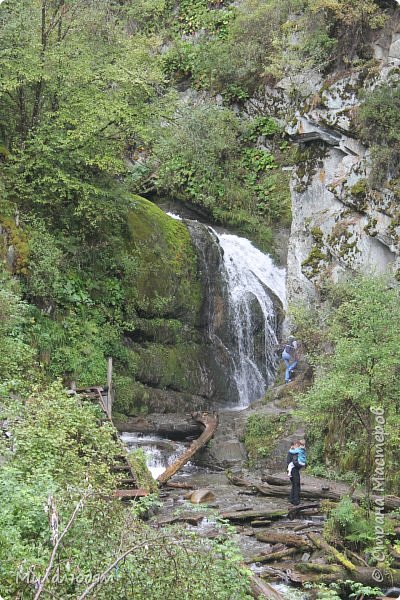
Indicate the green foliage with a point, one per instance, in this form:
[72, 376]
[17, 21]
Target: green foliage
[344, 590]
[262, 126]
[345, 26]
[17, 357]
[379, 123]
[195, 15]
[70, 114]
[45, 259]
[261, 433]
[61, 455]
[137, 459]
[207, 157]
[360, 188]
[351, 523]
[358, 374]
[247, 52]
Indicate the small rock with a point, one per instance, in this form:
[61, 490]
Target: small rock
[200, 496]
[305, 557]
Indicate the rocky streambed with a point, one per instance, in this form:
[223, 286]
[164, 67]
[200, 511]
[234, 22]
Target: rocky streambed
[282, 545]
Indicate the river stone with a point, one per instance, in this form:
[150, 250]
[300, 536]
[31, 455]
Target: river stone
[200, 496]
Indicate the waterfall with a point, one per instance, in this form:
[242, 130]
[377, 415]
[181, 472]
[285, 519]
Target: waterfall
[244, 292]
[252, 280]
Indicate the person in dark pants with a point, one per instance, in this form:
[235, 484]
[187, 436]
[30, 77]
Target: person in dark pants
[294, 497]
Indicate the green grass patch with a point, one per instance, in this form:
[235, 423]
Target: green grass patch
[261, 434]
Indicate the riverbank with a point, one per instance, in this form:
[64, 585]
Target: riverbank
[282, 544]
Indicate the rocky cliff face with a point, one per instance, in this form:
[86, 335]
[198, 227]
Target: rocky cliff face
[340, 226]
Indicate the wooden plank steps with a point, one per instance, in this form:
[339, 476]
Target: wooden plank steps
[129, 494]
[119, 468]
[128, 481]
[129, 485]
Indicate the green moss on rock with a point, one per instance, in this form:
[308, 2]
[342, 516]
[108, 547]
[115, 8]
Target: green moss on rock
[166, 282]
[360, 188]
[137, 460]
[262, 432]
[179, 367]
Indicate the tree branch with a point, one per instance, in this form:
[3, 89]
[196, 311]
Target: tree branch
[57, 545]
[104, 574]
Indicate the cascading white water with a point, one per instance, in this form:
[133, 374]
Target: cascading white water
[159, 452]
[250, 277]
[252, 287]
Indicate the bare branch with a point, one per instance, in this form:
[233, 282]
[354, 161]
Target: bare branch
[58, 542]
[104, 574]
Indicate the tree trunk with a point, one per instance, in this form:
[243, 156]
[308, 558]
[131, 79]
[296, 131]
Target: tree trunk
[251, 515]
[261, 589]
[277, 537]
[210, 423]
[273, 556]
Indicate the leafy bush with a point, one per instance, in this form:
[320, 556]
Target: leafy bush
[350, 523]
[345, 590]
[17, 356]
[360, 373]
[348, 22]
[261, 433]
[379, 123]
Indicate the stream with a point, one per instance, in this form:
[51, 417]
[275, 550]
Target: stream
[245, 334]
[160, 452]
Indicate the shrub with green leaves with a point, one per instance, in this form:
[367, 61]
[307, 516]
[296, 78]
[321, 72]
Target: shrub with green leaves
[350, 523]
[356, 371]
[261, 433]
[379, 123]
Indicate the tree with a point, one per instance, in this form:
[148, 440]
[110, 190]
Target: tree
[76, 93]
[379, 125]
[359, 376]
[350, 22]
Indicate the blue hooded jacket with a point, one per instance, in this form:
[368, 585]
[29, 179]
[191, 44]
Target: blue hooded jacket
[302, 456]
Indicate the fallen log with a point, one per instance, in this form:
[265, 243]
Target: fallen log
[293, 512]
[261, 589]
[180, 486]
[282, 491]
[358, 560]
[310, 567]
[364, 575]
[321, 544]
[309, 526]
[173, 426]
[210, 423]
[190, 519]
[275, 572]
[260, 522]
[239, 481]
[272, 556]
[277, 485]
[251, 515]
[277, 537]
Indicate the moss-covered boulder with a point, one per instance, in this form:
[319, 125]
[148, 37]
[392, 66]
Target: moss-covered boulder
[166, 283]
[168, 364]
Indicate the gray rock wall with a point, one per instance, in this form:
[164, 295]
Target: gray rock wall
[340, 226]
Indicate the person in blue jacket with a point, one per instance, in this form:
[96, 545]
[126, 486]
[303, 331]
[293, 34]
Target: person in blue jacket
[296, 460]
[289, 355]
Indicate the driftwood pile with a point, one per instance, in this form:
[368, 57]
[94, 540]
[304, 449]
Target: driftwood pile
[313, 488]
[298, 552]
